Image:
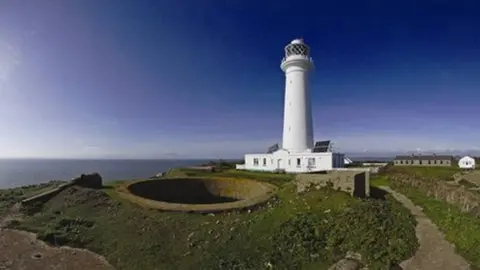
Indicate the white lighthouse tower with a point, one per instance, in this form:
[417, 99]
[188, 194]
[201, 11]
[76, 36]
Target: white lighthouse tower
[297, 119]
[298, 152]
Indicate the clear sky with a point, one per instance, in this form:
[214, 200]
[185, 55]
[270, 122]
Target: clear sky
[178, 78]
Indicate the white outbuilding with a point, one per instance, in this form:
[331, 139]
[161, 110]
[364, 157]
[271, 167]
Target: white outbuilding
[466, 162]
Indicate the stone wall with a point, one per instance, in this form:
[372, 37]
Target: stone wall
[93, 180]
[356, 183]
[47, 195]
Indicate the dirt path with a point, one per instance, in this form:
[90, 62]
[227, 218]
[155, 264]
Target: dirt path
[21, 250]
[434, 252]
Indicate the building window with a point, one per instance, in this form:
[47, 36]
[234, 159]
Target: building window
[429, 162]
[441, 161]
[435, 162]
[401, 161]
[311, 162]
[255, 162]
[264, 162]
[271, 160]
[420, 162]
[299, 162]
[289, 163]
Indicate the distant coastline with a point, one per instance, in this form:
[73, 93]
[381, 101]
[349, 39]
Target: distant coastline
[19, 172]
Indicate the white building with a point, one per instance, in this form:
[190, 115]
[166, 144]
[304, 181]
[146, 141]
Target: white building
[466, 162]
[297, 153]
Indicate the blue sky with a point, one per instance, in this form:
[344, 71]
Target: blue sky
[169, 79]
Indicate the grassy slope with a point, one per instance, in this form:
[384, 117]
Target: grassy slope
[132, 237]
[8, 197]
[461, 229]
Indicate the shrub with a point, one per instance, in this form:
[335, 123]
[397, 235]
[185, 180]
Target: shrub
[67, 231]
[383, 232]
[300, 240]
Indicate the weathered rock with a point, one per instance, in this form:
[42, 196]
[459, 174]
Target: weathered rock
[92, 180]
[345, 264]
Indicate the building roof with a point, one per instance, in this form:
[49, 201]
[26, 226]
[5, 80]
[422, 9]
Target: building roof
[424, 157]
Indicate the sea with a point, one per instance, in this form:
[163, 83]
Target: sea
[20, 172]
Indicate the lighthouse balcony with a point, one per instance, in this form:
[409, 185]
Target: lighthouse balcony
[297, 57]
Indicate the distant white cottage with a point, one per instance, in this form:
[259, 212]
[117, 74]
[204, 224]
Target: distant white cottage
[298, 152]
[466, 162]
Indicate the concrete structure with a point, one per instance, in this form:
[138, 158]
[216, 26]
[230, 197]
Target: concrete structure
[354, 182]
[466, 162]
[298, 152]
[423, 160]
[347, 161]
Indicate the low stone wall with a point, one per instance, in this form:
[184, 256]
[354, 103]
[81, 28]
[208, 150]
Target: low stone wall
[202, 168]
[47, 195]
[93, 180]
[375, 169]
[356, 183]
[458, 195]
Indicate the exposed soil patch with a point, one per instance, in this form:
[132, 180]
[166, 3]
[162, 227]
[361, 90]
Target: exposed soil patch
[21, 250]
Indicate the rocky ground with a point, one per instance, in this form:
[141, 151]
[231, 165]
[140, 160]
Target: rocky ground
[21, 250]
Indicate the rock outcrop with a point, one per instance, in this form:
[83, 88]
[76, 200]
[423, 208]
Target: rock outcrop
[92, 180]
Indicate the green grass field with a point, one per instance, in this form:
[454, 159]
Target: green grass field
[311, 231]
[461, 229]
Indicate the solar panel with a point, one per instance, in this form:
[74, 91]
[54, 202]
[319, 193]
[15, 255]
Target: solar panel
[321, 146]
[273, 148]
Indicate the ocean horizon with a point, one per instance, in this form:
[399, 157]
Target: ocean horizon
[16, 172]
[19, 172]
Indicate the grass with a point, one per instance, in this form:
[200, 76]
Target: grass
[311, 231]
[8, 197]
[440, 173]
[460, 228]
[379, 180]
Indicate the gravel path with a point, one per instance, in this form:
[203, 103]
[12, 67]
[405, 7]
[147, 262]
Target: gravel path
[434, 252]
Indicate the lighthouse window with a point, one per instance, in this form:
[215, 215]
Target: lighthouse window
[299, 162]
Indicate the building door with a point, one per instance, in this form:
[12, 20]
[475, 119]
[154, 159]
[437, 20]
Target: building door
[280, 164]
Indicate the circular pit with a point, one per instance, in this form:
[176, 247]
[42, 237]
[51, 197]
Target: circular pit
[202, 195]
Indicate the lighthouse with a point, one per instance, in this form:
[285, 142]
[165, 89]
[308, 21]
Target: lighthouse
[297, 117]
[297, 152]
